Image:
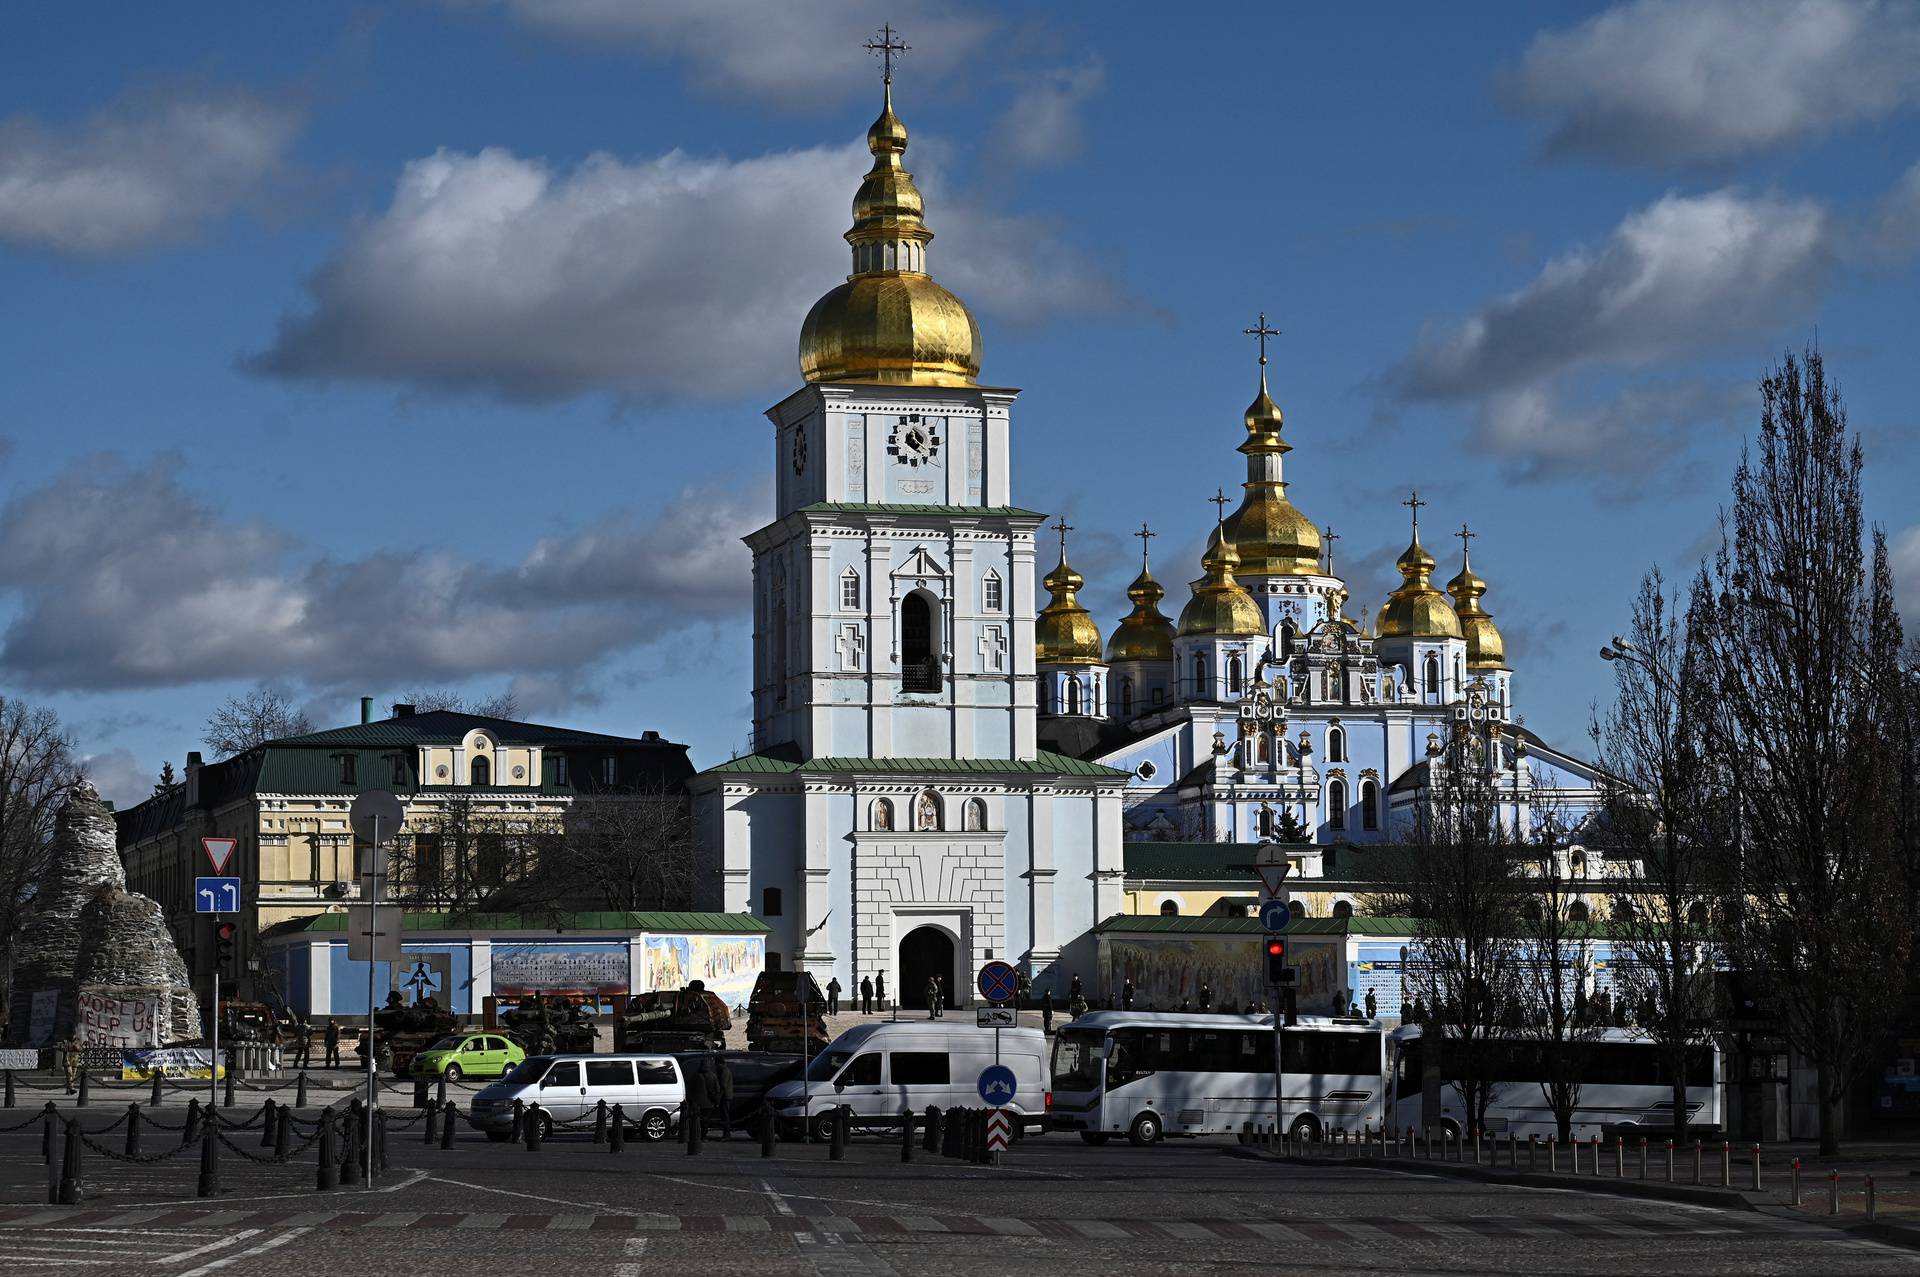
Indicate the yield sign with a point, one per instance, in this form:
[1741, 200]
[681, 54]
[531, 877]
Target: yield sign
[1273, 867]
[219, 851]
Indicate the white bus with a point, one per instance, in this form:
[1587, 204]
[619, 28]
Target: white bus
[1146, 1074]
[1622, 1076]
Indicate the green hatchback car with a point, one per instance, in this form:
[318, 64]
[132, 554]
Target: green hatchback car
[485, 1054]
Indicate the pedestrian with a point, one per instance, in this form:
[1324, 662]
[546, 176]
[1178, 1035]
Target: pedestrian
[1077, 1006]
[332, 1041]
[1073, 989]
[939, 998]
[704, 1091]
[1186, 1005]
[1046, 1011]
[1022, 990]
[304, 1042]
[833, 996]
[1126, 995]
[1373, 1006]
[723, 1080]
[383, 1057]
[1249, 1010]
[70, 1056]
[880, 991]
[866, 995]
[1206, 997]
[933, 997]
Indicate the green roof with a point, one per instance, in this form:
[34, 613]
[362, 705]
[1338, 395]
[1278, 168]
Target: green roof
[876, 507]
[658, 920]
[1141, 923]
[1191, 861]
[1044, 763]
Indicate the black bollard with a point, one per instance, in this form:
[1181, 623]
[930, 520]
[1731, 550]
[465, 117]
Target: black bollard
[380, 1139]
[837, 1146]
[70, 1185]
[769, 1130]
[329, 1171]
[617, 1133]
[153, 1100]
[210, 1160]
[440, 1100]
[350, 1173]
[230, 1072]
[82, 1100]
[191, 1130]
[47, 1119]
[451, 1115]
[600, 1122]
[906, 1135]
[283, 1134]
[519, 1129]
[10, 1095]
[932, 1142]
[133, 1130]
[300, 1091]
[433, 1126]
[419, 1092]
[687, 1123]
[535, 1120]
[267, 1123]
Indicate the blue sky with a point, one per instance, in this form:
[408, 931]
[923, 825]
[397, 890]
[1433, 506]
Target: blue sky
[368, 349]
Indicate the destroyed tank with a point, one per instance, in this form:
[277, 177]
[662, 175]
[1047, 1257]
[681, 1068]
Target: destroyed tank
[776, 1020]
[407, 1030]
[550, 1028]
[689, 1019]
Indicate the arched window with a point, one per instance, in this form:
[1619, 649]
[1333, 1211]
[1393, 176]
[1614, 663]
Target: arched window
[1336, 745]
[990, 598]
[1126, 696]
[1199, 675]
[1343, 908]
[1262, 752]
[1459, 671]
[480, 772]
[1577, 911]
[1337, 804]
[1073, 695]
[1622, 909]
[770, 902]
[1233, 674]
[1369, 805]
[975, 817]
[1697, 914]
[1288, 634]
[850, 591]
[880, 815]
[1169, 908]
[926, 812]
[919, 659]
[1265, 821]
[1433, 674]
[1297, 909]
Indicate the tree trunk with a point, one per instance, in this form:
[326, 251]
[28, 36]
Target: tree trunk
[1829, 1111]
[1680, 1104]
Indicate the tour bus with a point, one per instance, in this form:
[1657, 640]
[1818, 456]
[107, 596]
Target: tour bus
[1145, 1074]
[1622, 1077]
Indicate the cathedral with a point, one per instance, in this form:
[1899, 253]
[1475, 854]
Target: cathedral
[941, 776]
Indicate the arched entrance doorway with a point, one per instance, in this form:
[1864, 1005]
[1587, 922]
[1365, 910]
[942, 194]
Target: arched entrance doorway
[925, 952]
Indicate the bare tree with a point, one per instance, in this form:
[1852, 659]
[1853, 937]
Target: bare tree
[1664, 815]
[37, 767]
[253, 718]
[635, 849]
[1553, 1016]
[425, 700]
[464, 856]
[1802, 639]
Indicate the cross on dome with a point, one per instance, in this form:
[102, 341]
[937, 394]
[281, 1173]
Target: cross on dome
[1062, 527]
[1465, 536]
[1221, 500]
[1261, 331]
[1144, 533]
[1414, 503]
[1329, 536]
[886, 46]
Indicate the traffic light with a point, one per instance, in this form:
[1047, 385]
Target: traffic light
[224, 936]
[1277, 969]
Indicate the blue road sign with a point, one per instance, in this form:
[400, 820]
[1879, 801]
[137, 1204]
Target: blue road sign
[999, 981]
[216, 895]
[997, 1085]
[1274, 915]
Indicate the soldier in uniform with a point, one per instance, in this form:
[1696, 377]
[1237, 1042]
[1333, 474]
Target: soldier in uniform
[866, 995]
[70, 1053]
[1126, 995]
[332, 1042]
[833, 996]
[723, 1080]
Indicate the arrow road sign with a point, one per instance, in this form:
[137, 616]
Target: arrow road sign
[998, 981]
[219, 851]
[1274, 915]
[998, 1085]
[999, 1131]
[216, 895]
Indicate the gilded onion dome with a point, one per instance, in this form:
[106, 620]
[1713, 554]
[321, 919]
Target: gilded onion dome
[1220, 604]
[1417, 609]
[890, 322]
[1143, 634]
[1064, 632]
[1273, 538]
[1486, 650]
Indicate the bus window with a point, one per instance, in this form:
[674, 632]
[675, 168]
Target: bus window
[1133, 1054]
[1076, 1060]
[1339, 1054]
[1408, 1070]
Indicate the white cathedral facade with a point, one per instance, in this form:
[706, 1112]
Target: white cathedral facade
[940, 775]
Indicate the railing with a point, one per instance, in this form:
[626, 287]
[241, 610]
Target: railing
[920, 676]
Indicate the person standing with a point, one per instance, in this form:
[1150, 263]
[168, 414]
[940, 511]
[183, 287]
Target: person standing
[880, 991]
[933, 997]
[70, 1056]
[1206, 997]
[1046, 1011]
[303, 1042]
[723, 1081]
[705, 1093]
[333, 1043]
[1022, 992]
[1073, 989]
[1373, 1006]
[866, 995]
[833, 996]
[1126, 995]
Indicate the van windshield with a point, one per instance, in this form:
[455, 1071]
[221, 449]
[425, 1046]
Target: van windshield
[529, 1070]
[825, 1065]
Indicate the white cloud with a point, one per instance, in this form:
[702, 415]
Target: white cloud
[152, 167]
[120, 778]
[669, 278]
[1043, 124]
[1896, 230]
[1688, 82]
[125, 580]
[1904, 554]
[1630, 433]
[794, 56]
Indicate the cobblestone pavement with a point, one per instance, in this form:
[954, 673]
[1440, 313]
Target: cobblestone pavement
[1056, 1205]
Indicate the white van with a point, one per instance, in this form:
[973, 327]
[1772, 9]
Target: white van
[879, 1070]
[649, 1089]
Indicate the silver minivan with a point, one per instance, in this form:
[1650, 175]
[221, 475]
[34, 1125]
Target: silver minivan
[879, 1069]
[568, 1088]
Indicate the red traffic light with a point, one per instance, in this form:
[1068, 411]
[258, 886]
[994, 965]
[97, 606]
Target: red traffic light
[225, 931]
[1276, 948]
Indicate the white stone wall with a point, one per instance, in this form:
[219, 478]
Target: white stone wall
[965, 872]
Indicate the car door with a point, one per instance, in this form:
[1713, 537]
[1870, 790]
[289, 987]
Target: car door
[562, 1090]
[496, 1056]
[472, 1057]
[858, 1085]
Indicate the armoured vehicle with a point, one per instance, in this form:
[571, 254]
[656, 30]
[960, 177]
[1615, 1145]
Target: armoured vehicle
[405, 1030]
[689, 1019]
[550, 1028]
[776, 1019]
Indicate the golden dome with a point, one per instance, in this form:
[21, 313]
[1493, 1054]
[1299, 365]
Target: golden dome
[1220, 605]
[890, 322]
[1486, 650]
[1064, 632]
[1143, 634]
[1417, 609]
[1274, 538]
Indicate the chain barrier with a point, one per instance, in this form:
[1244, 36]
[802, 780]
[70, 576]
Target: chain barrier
[272, 1159]
[395, 1124]
[136, 1159]
[146, 1116]
[39, 1115]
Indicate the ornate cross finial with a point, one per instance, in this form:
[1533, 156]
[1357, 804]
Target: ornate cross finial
[1261, 331]
[1464, 536]
[1221, 500]
[1144, 533]
[1062, 527]
[1414, 503]
[1329, 536]
[886, 46]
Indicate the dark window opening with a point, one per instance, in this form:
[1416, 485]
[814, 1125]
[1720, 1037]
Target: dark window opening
[1336, 805]
[1369, 805]
[561, 775]
[481, 773]
[347, 770]
[919, 663]
[770, 902]
[920, 1068]
[1169, 909]
[609, 770]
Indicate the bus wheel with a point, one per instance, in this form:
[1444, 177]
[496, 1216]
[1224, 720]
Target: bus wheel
[1305, 1130]
[1095, 1138]
[1145, 1131]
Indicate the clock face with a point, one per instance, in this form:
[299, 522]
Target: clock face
[799, 450]
[913, 441]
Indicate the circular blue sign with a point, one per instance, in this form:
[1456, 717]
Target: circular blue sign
[1274, 915]
[997, 1085]
[999, 981]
